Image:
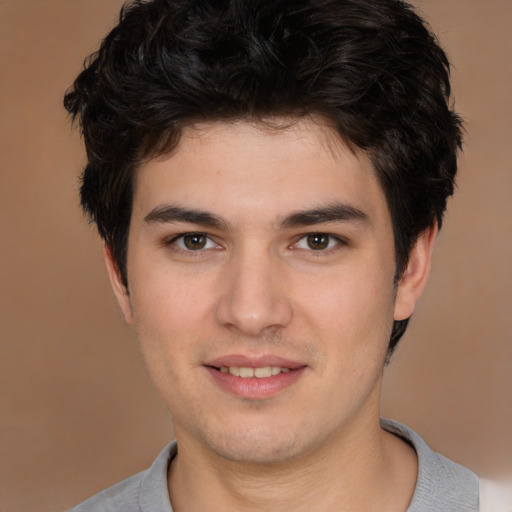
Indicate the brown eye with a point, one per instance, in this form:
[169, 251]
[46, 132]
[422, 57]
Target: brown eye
[318, 241]
[195, 241]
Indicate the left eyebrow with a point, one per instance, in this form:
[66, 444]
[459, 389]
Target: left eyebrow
[337, 212]
[175, 213]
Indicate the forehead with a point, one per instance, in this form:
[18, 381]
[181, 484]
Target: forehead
[283, 163]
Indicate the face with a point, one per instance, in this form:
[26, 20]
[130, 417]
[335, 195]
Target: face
[260, 270]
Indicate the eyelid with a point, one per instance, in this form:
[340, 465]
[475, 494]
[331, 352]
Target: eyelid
[340, 241]
[173, 241]
[335, 241]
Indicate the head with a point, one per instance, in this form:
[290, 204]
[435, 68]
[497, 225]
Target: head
[370, 68]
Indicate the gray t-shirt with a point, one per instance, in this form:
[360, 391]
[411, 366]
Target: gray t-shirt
[442, 485]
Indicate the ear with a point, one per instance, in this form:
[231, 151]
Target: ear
[120, 290]
[415, 276]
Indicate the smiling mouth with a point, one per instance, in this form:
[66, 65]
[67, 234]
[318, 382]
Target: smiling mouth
[254, 381]
[246, 372]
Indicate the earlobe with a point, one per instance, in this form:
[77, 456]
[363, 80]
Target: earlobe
[415, 277]
[119, 288]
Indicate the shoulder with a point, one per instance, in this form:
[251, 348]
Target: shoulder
[122, 496]
[146, 490]
[442, 484]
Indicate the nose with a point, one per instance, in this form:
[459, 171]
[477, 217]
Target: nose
[253, 299]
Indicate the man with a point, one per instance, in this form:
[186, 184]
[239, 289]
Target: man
[269, 178]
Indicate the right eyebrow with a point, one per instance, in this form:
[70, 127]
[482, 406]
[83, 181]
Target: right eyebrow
[174, 213]
[336, 212]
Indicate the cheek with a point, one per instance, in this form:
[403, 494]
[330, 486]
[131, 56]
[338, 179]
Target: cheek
[351, 317]
[358, 298]
[166, 325]
[169, 312]
[165, 296]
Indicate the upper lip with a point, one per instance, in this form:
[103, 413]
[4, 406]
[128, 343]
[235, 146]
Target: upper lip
[254, 361]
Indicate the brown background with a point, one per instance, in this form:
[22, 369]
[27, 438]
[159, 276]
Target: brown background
[76, 410]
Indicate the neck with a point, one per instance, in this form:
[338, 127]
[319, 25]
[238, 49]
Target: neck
[361, 468]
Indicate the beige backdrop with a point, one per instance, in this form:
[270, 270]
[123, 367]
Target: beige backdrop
[77, 413]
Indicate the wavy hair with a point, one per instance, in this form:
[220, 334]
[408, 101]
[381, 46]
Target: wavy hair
[371, 67]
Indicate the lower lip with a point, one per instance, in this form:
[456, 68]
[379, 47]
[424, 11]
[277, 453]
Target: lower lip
[254, 388]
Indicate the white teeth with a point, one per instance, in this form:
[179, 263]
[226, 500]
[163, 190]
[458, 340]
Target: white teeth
[247, 373]
[261, 373]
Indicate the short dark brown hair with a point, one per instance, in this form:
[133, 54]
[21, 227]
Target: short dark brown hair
[371, 67]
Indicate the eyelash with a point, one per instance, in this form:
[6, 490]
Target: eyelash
[333, 243]
[174, 241]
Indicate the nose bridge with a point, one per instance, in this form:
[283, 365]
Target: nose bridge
[253, 299]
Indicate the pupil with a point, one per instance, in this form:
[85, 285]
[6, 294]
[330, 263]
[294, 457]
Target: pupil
[195, 242]
[318, 241]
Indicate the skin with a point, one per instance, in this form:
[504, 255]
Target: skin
[259, 287]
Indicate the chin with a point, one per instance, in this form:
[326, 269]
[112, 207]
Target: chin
[262, 453]
[260, 446]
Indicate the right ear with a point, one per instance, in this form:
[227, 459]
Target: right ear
[120, 290]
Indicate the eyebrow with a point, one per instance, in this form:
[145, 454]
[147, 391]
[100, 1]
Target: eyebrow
[337, 212]
[173, 213]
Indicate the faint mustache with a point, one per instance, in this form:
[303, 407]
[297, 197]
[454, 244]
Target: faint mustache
[273, 338]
